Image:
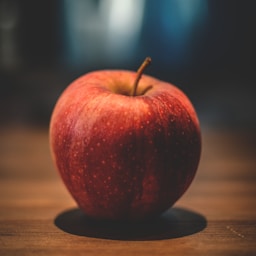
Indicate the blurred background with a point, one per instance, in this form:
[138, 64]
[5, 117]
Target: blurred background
[205, 47]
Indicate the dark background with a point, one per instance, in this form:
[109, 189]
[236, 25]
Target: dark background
[207, 48]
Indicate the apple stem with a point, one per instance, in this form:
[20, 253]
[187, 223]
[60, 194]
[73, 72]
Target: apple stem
[145, 63]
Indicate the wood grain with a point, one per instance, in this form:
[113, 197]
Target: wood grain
[216, 216]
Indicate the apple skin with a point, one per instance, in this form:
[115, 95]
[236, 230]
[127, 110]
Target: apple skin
[124, 157]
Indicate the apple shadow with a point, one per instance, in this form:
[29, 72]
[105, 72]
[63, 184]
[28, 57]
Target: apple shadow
[175, 223]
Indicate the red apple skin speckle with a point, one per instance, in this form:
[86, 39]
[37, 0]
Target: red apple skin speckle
[123, 157]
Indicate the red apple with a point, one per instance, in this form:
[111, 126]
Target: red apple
[126, 145]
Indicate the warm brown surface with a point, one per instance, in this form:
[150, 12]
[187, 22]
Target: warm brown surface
[216, 216]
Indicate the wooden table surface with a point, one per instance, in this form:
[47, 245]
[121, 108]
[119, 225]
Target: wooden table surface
[216, 216]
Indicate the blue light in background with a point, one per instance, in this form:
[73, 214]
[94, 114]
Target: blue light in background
[114, 32]
[180, 19]
[104, 31]
[124, 22]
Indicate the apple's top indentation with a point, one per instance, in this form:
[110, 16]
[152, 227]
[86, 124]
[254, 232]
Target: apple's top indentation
[134, 89]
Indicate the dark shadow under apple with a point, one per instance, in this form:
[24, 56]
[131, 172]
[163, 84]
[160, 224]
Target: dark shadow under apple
[175, 223]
